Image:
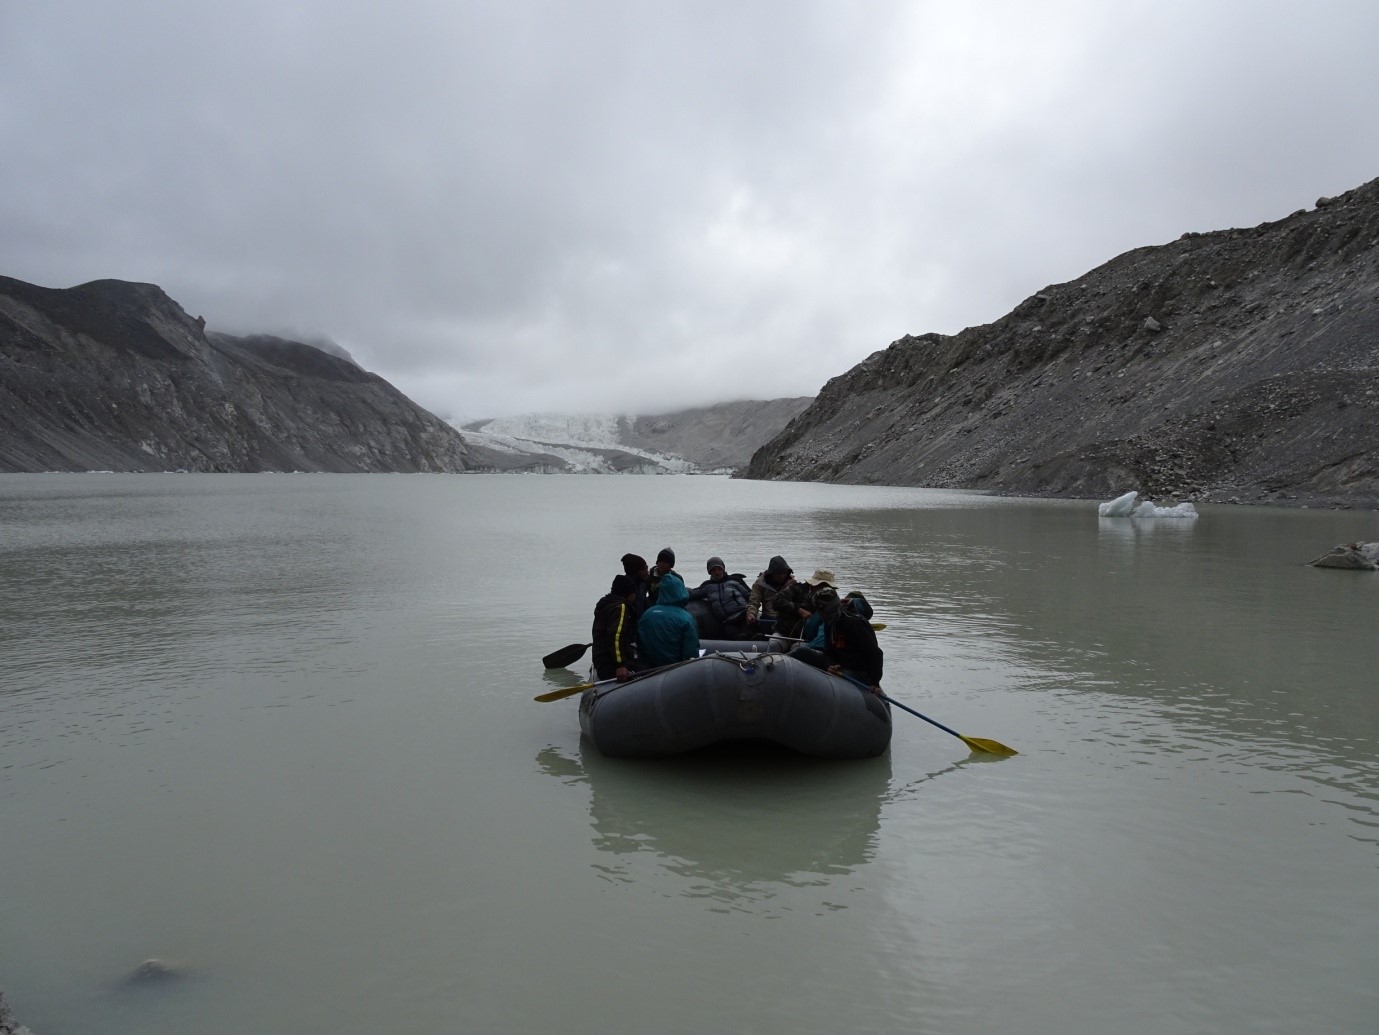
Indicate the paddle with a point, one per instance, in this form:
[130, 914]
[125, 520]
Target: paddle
[991, 747]
[566, 655]
[569, 691]
[878, 626]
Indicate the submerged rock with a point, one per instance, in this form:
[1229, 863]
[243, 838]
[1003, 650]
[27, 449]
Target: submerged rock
[154, 971]
[1352, 556]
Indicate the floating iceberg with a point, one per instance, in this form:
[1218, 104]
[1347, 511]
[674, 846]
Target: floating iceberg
[1182, 510]
[1124, 506]
[1121, 506]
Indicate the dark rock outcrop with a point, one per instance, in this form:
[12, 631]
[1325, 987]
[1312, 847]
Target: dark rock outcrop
[116, 376]
[154, 971]
[8, 1025]
[1350, 556]
[1239, 365]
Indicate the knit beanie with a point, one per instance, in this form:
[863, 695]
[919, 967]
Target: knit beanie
[667, 555]
[826, 600]
[716, 562]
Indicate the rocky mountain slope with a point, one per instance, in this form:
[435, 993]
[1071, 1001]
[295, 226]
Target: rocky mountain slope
[116, 376]
[705, 439]
[1234, 365]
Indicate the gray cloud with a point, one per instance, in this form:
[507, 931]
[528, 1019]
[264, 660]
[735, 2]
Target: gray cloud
[552, 206]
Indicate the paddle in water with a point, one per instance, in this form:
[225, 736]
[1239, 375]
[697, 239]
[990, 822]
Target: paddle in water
[569, 691]
[990, 747]
[566, 655]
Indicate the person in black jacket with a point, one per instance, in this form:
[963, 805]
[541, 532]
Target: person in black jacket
[634, 567]
[850, 645]
[726, 596]
[615, 631]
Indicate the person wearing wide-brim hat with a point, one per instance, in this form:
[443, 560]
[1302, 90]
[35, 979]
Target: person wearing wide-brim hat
[795, 603]
[808, 607]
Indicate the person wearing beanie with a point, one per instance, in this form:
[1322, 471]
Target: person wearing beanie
[667, 633]
[850, 645]
[726, 596]
[761, 606]
[665, 563]
[634, 566]
[615, 630]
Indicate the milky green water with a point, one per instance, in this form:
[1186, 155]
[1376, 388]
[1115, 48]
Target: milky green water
[279, 730]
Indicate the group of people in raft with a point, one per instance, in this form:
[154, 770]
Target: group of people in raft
[642, 622]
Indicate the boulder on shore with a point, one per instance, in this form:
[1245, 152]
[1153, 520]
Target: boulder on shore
[8, 1025]
[1352, 556]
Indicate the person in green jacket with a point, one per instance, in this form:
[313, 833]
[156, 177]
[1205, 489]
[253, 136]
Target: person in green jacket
[667, 633]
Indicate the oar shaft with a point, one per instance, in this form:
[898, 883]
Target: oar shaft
[989, 746]
[917, 715]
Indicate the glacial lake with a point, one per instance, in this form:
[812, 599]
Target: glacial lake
[278, 730]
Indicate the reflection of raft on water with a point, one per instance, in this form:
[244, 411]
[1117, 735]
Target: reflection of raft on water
[735, 695]
[736, 821]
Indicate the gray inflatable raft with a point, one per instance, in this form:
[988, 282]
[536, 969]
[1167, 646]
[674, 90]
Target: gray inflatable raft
[735, 695]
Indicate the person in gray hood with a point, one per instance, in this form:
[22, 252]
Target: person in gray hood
[761, 602]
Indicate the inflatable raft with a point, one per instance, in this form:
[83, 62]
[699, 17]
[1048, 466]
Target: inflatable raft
[731, 695]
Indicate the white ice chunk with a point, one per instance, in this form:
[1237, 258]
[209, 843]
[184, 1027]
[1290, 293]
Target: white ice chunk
[1121, 506]
[1148, 510]
[1124, 506]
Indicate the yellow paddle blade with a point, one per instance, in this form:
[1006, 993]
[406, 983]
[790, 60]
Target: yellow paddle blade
[557, 695]
[878, 626]
[991, 747]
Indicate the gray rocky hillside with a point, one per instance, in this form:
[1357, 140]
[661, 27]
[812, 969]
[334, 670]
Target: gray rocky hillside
[116, 376]
[1234, 365]
[715, 437]
[706, 439]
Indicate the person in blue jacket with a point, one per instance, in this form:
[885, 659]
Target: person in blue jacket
[667, 633]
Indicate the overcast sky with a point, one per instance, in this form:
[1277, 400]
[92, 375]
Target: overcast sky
[507, 207]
